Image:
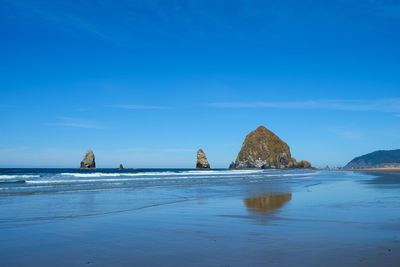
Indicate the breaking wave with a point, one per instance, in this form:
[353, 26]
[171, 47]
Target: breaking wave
[18, 176]
[166, 173]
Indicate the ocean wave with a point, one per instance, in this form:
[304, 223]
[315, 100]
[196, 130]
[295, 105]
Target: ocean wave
[301, 174]
[167, 173]
[13, 182]
[71, 181]
[18, 176]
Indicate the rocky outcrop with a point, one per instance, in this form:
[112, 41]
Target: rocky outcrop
[293, 164]
[377, 159]
[121, 167]
[262, 149]
[88, 162]
[232, 165]
[202, 162]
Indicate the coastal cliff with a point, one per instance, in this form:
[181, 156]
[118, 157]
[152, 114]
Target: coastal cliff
[202, 162]
[89, 161]
[262, 149]
[377, 159]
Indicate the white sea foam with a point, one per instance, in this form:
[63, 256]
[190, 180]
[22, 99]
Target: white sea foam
[18, 176]
[169, 173]
[300, 174]
[301, 178]
[149, 179]
[71, 181]
[167, 176]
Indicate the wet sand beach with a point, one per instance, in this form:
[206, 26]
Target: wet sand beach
[270, 218]
[379, 170]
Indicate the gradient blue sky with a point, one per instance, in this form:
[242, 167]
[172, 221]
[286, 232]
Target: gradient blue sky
[147, 83]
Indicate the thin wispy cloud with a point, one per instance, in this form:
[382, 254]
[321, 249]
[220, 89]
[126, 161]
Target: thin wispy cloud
[5, 106]
[347, 132]
[158, 150]
[124, 106]
[87, 26]
[74, 123]
[13, 149]
[179, 150]
[66, 16]
[382, 105]
[171, 20]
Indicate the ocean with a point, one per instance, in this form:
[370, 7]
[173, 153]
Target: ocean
[181, 217]
[39, 181]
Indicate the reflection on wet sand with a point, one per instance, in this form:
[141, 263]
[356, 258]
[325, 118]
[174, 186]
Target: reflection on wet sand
[267, 202]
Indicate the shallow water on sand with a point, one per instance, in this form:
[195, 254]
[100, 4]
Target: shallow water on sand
[67, 217]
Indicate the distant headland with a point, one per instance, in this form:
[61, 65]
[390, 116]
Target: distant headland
[381, 159]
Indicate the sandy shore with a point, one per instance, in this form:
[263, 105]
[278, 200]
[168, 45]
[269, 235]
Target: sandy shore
[317, 218]
[377, 170]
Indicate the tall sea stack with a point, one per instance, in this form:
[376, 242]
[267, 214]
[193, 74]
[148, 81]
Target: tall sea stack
[88, 162]
[262, 149]
[202, 162]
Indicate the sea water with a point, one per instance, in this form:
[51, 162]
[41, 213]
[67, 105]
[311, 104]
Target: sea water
[37, 181]
[182, 217]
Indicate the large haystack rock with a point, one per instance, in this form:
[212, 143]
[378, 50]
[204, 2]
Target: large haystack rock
[262, 149]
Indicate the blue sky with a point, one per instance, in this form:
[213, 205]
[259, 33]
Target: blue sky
[147, 83]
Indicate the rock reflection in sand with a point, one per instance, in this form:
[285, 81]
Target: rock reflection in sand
[267, 203]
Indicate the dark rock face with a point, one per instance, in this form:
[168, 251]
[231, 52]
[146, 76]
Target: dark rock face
[262, 149]
[377, 159]
[121, 167]
[88, 162]
[293, 164]
[202, 162]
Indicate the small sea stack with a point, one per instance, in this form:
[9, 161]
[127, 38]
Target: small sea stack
[232, 165]
[121, 167]
[202, 162]
[89, 161]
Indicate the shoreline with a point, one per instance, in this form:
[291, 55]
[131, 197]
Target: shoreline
[376, 170]
[250, 219]
[362, 170]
